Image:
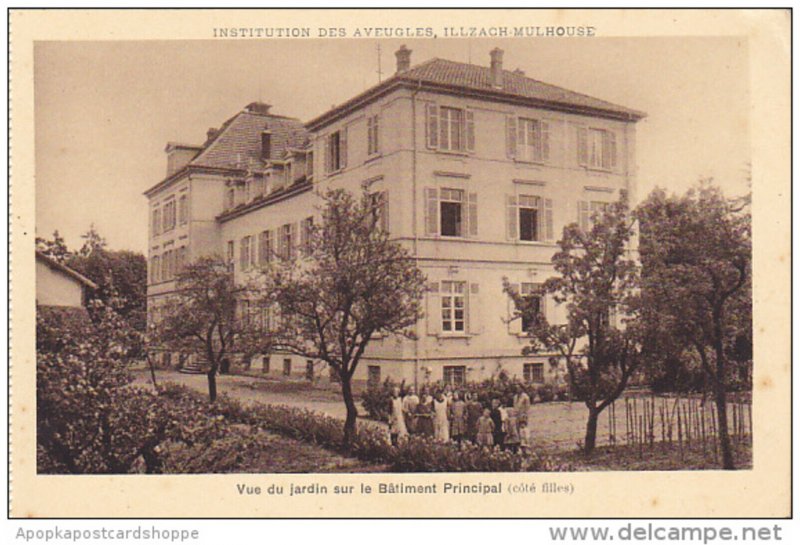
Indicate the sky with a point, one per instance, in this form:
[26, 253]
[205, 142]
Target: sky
[104, 111]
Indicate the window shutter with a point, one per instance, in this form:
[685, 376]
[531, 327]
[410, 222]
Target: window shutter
[511, 136]
[612, 150]
[545, 134]
[385, 211]
[514, 326]
[472, 215]
[433, 312]
[328, 156]
[583, 146]
[511, 217]
[548, 220]
[303, 236]
[583, 215]
[243, 254]
[343, 148]
[293, 247]
[253, 251]
[432, 126]
[469, 115]
[474, 310]
[431, 211]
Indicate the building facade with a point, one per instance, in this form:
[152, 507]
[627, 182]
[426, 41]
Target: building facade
[479, 169]
[60, 286]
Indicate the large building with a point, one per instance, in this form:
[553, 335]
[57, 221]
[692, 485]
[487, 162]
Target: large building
[479, 168]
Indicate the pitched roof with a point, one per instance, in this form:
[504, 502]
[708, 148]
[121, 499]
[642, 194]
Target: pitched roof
[238, 142]
[445, 75]
[53, 264]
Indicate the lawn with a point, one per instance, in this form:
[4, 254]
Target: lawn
[661, 457]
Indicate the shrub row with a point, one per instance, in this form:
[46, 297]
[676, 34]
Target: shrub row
[418, 454]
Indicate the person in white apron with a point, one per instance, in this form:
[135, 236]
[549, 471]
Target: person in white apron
[441, 426]
[397, 422]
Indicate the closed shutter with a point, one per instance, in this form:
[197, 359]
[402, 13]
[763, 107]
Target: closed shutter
[612, 150]
[472, 215]
[514, 325]
[469, 115]
[583, 146]
[474, 322]
[253, 251]
[431, 211]
[548, 220]
[511, 217]
[303, 236]
[328, 156]
[433, 311]
[343, 148]
[545, 134]
[511, 136]
[293, 228]
[432, 125]
[244, 253]
[583, 215]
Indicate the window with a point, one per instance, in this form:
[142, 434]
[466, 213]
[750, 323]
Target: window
[180, 259]
[336, 151]
[265, 363]
[379, 202]
[453, 306]
[288, 172]
[230, 197]
[373, 144]
[373, 375]
[534, 140]
[309, 165]
[165, 266]
[183, 209]
[286, 241]
[168, 219]
[265, 247]
[533, 372]
[249, 190]
[597, 148]
[455, 375]
[287, 366]
[450, 129]
[450, 206]
[533, 296]
[307, 231]
[229, 253]
[244, 311]
[588, 212]
[451, 213]
[529, 218]
[156, 221]
[246, 253]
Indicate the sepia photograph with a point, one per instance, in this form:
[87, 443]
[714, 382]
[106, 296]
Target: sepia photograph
[396, 250]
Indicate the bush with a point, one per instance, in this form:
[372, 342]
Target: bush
[546, 393]
[377, 399]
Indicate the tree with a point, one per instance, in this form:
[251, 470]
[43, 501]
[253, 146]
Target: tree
[55, 249]
[201, 317]
[350, 284]
[596, 279]
[696, 256]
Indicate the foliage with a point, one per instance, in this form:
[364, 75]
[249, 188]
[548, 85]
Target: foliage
[377, 398]
[696, 253]
[55, 249]
[350, 283]
[597, 278]
[201, 317]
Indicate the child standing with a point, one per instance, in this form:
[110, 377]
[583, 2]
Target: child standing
[486, 429]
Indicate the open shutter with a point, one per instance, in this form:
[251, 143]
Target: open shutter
[253, 252]
[511, 136]
[328, 158]
[469, 115]
[433, 310]
[545, 135]
[474, 310]
[583, 215]
[432, 126]
[548, 220]
[583, 146]
[511, 217]
[612, 150]
[514, 326]
[385, 211]
[472, 215]
[343, 148]
[431, 211]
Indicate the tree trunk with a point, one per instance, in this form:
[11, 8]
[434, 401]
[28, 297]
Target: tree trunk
[590, 440]
[352, 411]
[721, 400]
[212, 383]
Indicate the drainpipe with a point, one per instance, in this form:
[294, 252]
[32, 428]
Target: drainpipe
[414, 215]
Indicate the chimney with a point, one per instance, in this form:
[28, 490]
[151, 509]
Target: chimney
[519, 72]
[266, 145]
[210, 134]
[258, 108]
[403, 59]
[497, 67]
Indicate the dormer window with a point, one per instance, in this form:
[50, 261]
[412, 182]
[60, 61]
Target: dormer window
[230, 197]
[288, 174]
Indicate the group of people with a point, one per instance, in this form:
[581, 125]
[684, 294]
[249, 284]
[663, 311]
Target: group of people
[453, 415]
